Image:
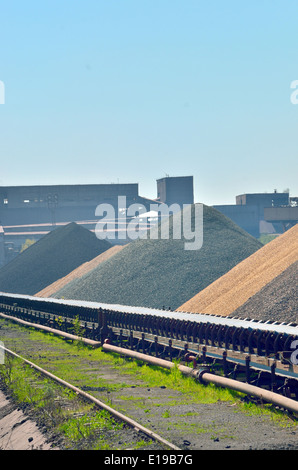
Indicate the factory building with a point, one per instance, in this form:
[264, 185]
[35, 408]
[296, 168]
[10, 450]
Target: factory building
[251, 212]
[175, 190]
[23, 205]
[29, 212]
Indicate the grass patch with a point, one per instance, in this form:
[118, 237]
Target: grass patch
[267, 238]
[85, 426]
[77, 422]
[154, 376]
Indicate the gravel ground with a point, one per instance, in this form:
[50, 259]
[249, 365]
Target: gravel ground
[168, 413]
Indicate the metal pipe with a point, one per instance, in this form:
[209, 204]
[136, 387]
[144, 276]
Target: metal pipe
[265, 395]
[204, 376]
[144, 357]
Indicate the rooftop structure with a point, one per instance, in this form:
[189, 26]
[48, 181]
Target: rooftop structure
[175, 190]
[249, 212]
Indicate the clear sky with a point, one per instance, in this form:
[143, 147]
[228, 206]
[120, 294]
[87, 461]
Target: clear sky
[129, 91]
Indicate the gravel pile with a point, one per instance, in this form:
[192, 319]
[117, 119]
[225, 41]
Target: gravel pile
[79, 272]
[277, 301]
[236, 287]
[50, 258]
[160, 273]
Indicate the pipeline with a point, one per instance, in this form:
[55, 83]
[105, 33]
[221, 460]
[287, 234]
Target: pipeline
[99, 403]
[203, 376]
[150, 359]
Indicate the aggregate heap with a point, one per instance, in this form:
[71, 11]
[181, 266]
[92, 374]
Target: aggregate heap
[50, 258]
[161, 273]
[276, 301]
[242, 289]
[79, 272]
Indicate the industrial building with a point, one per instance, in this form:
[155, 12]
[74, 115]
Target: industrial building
[23, 205]
[175, 190]
[259, 213]
[29, 212]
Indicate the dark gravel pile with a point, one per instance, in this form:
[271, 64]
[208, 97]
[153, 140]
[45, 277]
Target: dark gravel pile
[78, 272]
[50, 258]
[277, 301]
[160, 273]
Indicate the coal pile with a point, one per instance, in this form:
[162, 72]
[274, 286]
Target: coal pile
[160, 273]
[50, 258]
[228, 293]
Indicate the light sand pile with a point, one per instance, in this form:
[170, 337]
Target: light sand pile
[234, 288]
[78, 272]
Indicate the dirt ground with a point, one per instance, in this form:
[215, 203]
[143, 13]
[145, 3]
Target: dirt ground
[17, 430]
[190, 426]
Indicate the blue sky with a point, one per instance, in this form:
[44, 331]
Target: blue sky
[101, 91]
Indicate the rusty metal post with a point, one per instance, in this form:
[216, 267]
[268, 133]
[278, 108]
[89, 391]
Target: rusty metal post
[247, 369]
[103, 328]
[224, 363]
[143, 342]
[131, 340]
[156, 345]
[170, 350]
[273, 377]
